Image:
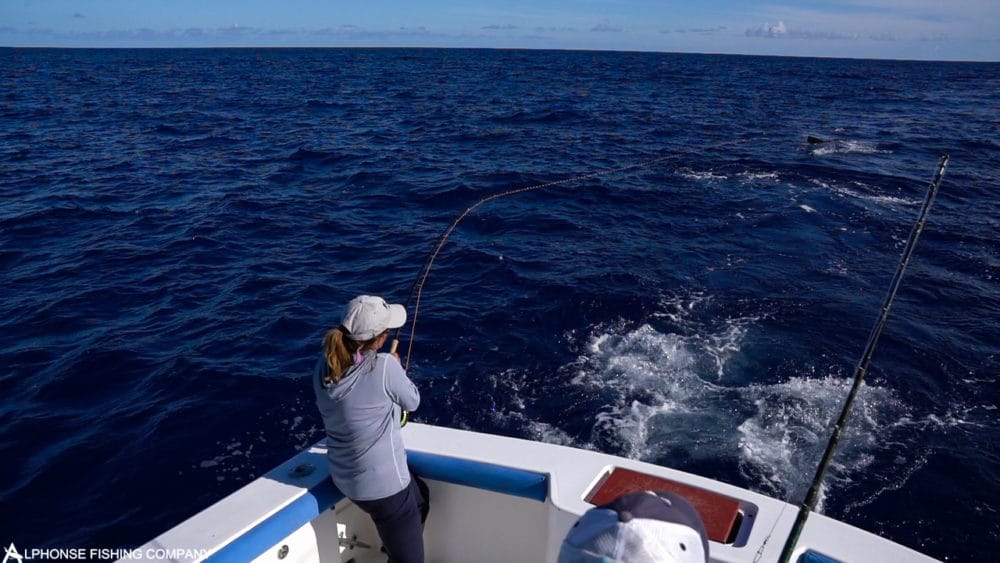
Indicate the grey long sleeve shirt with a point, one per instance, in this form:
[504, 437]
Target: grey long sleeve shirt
[361, 414]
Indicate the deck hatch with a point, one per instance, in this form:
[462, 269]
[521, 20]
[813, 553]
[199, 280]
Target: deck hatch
[721, 514]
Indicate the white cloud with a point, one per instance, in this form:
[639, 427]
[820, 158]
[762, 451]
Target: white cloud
[768, 30]
[780, 30]
[903, 20]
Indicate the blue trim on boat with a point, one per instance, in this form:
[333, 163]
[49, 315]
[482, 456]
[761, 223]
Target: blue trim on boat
[810, 556]
[496, 478]
[280, 525]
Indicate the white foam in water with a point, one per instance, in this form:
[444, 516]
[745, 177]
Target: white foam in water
[847, 147]
[783, 440]
[781, 445]
[664, 386]
[889, 200]
[650, 373]
[822, 184]
[701, 175]
[748, 177]
[671, 402]
[856, 190]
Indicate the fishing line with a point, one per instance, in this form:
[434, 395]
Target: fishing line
[416, 292]
[812, 496]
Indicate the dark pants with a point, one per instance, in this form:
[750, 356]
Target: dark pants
[399, 520]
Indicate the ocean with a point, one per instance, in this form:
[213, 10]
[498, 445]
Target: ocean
[180, 227]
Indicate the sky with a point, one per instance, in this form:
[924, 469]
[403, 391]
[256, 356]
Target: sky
[883, 29]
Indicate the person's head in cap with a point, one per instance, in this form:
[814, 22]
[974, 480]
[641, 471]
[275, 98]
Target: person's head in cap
[364, 327]
[641, 527]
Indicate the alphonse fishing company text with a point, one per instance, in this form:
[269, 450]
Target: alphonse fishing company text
[12, 554]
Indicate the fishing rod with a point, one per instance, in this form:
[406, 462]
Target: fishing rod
[859, 375]
[416, 292]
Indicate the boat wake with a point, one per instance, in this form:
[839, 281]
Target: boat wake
[681, 397]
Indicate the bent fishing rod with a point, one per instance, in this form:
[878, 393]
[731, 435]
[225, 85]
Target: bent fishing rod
[416, 292]
[809, 503]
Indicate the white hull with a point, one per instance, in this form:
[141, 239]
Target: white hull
[293, 514]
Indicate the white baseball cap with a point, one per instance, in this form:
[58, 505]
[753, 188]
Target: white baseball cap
[368, 316]
[640, 527]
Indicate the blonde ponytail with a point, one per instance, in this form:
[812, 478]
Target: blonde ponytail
[338, 350]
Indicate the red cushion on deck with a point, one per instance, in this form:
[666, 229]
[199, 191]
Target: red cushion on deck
[718, 512]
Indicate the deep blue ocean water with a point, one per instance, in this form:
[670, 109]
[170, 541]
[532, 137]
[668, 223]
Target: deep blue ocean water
[179, 227]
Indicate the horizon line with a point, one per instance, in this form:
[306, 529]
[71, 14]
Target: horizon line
[479, 48]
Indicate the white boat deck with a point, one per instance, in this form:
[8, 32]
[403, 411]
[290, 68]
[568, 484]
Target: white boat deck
[493, 498]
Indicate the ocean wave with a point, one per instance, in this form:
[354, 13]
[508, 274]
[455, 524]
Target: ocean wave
[861, 191]
[848, 147]
[702, 175]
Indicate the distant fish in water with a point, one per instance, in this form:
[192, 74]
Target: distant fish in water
[815, 140]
